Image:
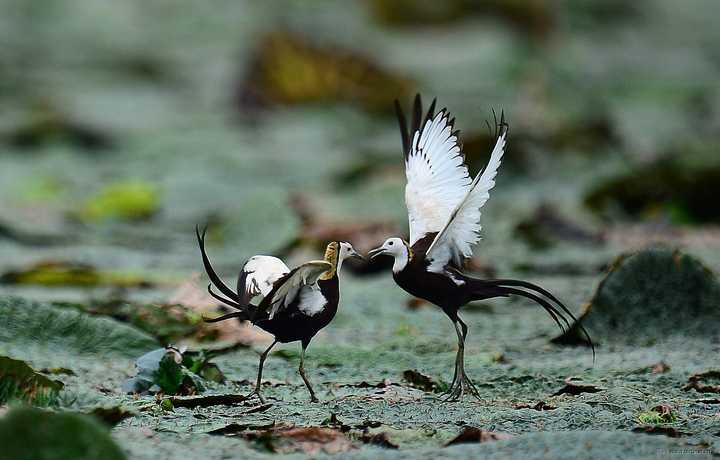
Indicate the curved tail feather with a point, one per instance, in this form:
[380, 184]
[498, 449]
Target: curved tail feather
[245, 309]
[555, 308]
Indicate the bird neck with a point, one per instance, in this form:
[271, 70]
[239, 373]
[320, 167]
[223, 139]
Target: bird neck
[401, 260]
[331, 256]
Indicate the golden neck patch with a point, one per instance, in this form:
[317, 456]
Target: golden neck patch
[409, 249]
[331, 255]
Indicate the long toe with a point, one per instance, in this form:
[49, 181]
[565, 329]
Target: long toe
[472, 389]
[255, 393]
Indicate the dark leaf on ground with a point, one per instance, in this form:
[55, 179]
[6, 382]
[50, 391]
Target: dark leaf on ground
[307, 440]
[540, 406]
[704, 382]
[421, 381]
[111, 415]
[471, 434]
[575, 388]
[661, 430]
[378, 439]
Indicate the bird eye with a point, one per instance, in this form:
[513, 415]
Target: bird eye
[390, 243]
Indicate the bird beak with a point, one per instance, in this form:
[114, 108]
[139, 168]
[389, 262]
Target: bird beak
[355, 254]
[376, 252]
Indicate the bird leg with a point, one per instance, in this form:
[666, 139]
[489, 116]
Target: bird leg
[458, 358]
[256, 391]
[461, 382]
[301, 370]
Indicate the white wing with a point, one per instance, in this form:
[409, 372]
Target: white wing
[258, 276]
[462, 229]
[437, 177]
[304, 275]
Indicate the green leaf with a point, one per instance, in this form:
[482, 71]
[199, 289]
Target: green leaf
[32, 325]
[18, 381]
[33, 434]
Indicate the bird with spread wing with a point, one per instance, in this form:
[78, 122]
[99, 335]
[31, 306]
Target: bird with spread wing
[296, 304]
[443, 204]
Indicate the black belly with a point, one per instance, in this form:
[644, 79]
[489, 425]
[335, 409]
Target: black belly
[291, 325]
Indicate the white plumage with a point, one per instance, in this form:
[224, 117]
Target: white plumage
[306, 274]
[261, 273]
[312, 300]
[437, 178]
[440, 196]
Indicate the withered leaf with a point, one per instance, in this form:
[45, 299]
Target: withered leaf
[309, 440]
[379, 439]
[662, 430]
[698, 382]
[471, 434]
[419, 380]
[574, 388]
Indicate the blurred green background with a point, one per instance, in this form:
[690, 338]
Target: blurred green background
[124, 125]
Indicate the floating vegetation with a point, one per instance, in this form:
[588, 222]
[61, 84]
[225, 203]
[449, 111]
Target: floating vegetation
[547, 227]
[287, 69]
[124, 201]
[678, 189]
[64, 273]
[47, 126]
[19, 382]
[649, 296]
[527, 16]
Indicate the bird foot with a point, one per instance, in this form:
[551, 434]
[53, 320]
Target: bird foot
[459, 387]
[255, 392]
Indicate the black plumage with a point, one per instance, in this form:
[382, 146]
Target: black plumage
[431, 266]
[288, 310]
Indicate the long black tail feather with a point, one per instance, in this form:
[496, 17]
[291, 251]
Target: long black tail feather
[223, 299]
[210, 271]
[555, 308]
[233, 300]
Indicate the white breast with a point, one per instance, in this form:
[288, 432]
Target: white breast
[312, 300]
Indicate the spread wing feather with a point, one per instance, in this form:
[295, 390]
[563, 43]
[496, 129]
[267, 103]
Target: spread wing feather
[437, 177]
[289, 288]
[440, 196]
[462, 230]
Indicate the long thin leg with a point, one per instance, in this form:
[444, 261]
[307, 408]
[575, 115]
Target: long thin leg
[301, 370]
[463, 382]
[458, 358]
[256, 391]
[470, 384]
